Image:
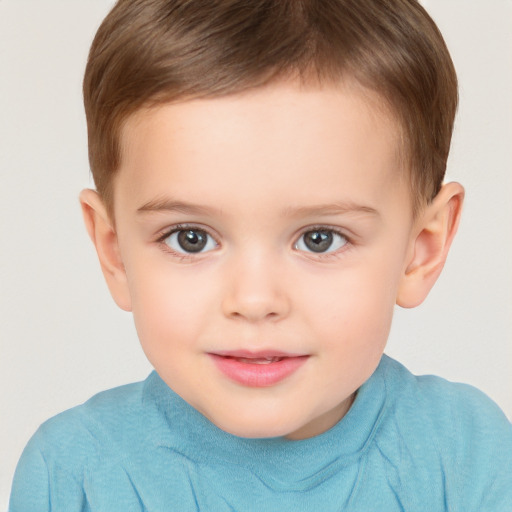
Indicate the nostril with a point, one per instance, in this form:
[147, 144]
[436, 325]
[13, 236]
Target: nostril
[252, 315]
[255, 311]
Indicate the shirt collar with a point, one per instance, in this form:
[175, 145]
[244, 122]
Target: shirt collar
[280, 462]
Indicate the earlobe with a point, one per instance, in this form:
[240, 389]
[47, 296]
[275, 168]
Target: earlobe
[104, 238]
[431, 241]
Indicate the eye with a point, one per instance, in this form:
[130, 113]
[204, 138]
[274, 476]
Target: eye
[321, 241]
[190, 240]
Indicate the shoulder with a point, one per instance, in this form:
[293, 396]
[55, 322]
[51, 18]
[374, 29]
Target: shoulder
[443, 404]
[456, 428]
[53, 466]
[100, 426]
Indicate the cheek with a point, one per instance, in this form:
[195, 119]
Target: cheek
[353, 329]
[168, 307]
[357, 306]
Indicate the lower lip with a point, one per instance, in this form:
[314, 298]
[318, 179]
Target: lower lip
[258, 375]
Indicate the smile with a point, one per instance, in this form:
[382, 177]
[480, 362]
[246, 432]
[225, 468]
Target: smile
[262, 369]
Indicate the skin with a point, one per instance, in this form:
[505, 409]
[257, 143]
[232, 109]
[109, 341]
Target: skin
[260, 169]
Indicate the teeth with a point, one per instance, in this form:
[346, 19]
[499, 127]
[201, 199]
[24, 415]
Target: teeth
[259, 360]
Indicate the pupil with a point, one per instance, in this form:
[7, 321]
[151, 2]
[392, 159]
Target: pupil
[192, 240]
[318, 241]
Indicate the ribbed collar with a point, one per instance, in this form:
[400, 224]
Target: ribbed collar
[279, 462]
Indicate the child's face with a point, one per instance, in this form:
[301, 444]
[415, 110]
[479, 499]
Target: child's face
[266, 225]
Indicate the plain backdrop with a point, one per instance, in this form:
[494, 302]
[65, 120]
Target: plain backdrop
[62, 339]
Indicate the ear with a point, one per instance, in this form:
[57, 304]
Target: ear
[103, 236]
[432, 236]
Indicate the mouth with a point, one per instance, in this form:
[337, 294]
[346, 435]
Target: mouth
[257, 360]
[257, 369]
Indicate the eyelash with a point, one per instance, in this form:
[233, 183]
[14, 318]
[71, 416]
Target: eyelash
[326, 255]
[193, 256]
[175, 229]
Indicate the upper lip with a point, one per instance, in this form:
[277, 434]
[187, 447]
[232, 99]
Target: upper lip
[260, 354]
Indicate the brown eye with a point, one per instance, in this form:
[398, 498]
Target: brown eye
[190, 241]
[320, 241]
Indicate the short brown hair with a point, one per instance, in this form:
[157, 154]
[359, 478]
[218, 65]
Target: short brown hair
[149, 52]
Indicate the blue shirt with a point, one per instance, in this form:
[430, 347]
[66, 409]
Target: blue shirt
[407, 443]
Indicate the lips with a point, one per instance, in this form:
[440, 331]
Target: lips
[257, 369]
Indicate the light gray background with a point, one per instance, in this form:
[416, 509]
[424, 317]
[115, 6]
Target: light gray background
[62, 339]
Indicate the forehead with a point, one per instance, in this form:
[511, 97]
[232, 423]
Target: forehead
[327, 136]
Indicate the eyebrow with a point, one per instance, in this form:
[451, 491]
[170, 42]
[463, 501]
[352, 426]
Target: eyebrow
[339, 208]
[169, 205]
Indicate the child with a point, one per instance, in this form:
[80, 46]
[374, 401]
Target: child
[269, 184]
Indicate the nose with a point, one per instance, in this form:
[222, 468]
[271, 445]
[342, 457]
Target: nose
[255, 290]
